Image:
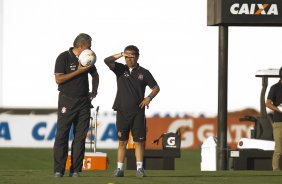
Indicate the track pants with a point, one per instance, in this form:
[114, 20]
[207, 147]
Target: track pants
[277, 135]
[76, 112]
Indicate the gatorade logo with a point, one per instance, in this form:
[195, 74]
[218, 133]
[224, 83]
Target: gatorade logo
[87, 163]
[254, 9]
[171, 141]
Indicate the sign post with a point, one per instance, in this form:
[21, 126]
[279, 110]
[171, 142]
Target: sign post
[222, 98]
[224, 13]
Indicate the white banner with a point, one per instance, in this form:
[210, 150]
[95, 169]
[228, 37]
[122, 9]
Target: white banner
[36, 131]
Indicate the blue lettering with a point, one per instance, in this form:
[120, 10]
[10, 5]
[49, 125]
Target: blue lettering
[52, 134]
[4, 131]
[71, 136]
[110, 133]
[35, 131]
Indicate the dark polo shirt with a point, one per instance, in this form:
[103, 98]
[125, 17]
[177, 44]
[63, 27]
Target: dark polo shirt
[78, 86]
[131, 87]
[275, 94]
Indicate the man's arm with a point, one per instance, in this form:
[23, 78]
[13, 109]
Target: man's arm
[146, 101]
[95, 83]
[61, 78]
[270, 105]
[110, 61]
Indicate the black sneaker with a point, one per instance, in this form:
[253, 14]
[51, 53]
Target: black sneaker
[140, 173]
[58, 175]
[74, 174]
[118, 173]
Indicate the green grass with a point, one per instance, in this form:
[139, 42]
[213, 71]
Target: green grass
[34, 166]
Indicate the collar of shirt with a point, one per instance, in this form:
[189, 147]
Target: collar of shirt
[72, 54]
[132, 69]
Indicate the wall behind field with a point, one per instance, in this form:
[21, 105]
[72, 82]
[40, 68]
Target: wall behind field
[32, 130]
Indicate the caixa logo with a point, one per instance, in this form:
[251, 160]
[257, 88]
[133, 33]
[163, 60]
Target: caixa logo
[254, 9]
[41, 132]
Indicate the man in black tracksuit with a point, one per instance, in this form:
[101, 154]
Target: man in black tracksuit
[130, 104]
[73, 106]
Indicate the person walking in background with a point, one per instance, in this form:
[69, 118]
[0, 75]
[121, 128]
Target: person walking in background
[274, 102]
[130, 104]
[74, 105]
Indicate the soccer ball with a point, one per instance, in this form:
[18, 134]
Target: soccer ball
[87, 57]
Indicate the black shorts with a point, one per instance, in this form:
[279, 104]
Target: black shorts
[134, 121]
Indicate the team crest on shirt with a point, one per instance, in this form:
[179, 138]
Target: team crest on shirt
[140, 76]
[63, 110]
[126, 74]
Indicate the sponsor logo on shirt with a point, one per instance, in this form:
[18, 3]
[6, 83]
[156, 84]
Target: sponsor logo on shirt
[72, 67]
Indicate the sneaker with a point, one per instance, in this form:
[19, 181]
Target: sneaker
[75, 174]
[58, 175]
[118, 173]
[140, 173]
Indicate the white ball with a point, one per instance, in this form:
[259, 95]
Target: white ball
[87, 57]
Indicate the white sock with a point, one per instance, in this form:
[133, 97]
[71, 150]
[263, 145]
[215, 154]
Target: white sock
[120, 166]
[139, 165]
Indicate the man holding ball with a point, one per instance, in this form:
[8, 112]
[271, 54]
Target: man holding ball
[74, 105]
[130, 104]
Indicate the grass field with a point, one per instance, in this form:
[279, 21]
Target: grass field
[34, 166]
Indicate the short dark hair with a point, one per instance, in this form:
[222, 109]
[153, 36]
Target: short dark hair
[132, 48]
[82, 38]
[280, 73]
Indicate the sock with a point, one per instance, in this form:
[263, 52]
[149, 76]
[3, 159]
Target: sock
[139, 165]
[120, 166]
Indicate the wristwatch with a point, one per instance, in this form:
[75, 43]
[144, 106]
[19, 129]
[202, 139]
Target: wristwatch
[150, 98]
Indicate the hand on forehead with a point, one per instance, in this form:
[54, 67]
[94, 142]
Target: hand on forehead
[129, 53]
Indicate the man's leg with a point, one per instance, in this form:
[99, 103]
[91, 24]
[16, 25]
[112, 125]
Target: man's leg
[139, 138]
[277, 135]
[122, 134]
[119, 172]
[64, 122]
[61, 147]
[80, 130]
[121, 151]
[139, 154]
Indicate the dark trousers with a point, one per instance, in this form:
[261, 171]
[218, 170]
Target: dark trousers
[76, 112]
